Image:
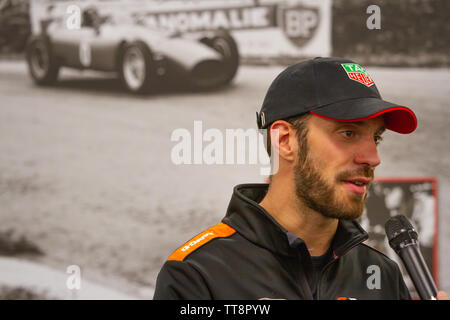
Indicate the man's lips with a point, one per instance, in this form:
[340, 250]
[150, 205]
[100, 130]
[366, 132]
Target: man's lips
[359, 180]
[358, 184]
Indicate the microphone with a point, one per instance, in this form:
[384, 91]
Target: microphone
[403, 239]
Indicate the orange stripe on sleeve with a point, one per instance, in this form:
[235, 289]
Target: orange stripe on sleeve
[220, 230]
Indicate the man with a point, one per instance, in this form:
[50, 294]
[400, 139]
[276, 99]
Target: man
[297, 238]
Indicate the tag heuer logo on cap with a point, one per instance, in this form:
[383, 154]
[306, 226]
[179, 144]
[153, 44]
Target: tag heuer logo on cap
[357, 73]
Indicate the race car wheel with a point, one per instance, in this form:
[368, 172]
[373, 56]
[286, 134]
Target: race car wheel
[224, 43]
[42, 65]
[137, 67]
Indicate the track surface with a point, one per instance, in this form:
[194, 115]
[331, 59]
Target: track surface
[86, 173]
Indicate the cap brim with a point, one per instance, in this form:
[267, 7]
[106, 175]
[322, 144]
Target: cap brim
[397, 118]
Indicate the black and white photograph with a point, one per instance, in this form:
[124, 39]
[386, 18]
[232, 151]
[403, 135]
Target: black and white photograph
[224, 150]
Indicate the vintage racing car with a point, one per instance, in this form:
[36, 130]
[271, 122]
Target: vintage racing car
[140, 55]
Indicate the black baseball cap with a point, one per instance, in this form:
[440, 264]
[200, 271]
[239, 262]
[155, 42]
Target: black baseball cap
[332, 88]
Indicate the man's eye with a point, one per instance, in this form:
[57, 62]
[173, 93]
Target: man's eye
[348, 133]
[378, 139]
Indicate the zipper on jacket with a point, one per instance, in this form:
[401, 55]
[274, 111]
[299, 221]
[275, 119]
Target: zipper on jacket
[349, 246]
[321, 276]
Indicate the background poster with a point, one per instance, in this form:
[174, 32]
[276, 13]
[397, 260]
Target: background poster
[263, 29]
[415, 198]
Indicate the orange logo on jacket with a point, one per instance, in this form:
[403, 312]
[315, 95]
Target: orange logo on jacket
[220, 230]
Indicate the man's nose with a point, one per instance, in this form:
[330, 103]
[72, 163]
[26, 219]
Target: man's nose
[367, 154]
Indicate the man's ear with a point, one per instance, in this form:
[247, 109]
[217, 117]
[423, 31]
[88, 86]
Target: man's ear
[284, 140]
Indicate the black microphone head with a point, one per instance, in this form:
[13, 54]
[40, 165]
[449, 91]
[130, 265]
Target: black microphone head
[400, 232]
[396, 225]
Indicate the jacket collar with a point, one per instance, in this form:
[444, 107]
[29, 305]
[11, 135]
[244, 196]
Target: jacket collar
[255, 224]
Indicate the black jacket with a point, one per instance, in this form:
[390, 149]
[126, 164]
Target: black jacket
[249, 256]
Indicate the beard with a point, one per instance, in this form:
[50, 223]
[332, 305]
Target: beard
[322, 196]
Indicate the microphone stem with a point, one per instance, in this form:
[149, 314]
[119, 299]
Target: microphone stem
[418, 271]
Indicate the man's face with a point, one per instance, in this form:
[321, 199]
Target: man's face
[336, 165]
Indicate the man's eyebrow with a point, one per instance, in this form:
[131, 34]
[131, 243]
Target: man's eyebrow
[381, 130]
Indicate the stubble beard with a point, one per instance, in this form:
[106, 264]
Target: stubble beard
[314, 191]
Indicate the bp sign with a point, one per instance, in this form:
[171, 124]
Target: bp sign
[298, 23]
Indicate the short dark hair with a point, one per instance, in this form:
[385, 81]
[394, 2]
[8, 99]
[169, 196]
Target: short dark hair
[299, 123]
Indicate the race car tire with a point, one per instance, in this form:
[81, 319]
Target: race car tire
[225, 44]
[42, 64]
[136, 67]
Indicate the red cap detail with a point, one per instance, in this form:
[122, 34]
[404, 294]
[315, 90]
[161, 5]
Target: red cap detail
[398, 119]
